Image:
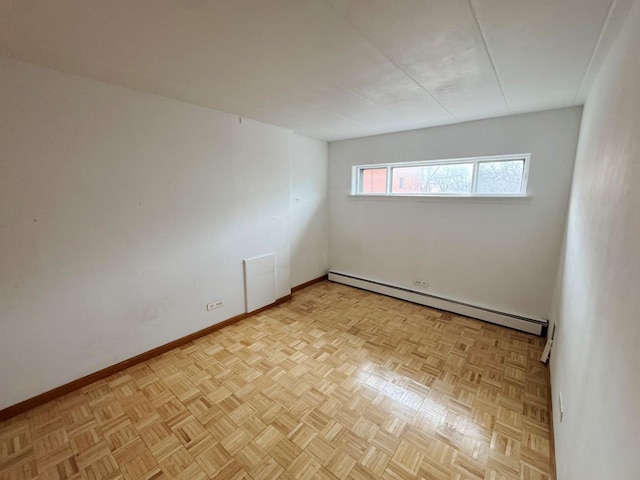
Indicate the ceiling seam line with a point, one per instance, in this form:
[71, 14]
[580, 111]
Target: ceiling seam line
[363, 98]
[486, 47]
[311, 104]
[380, 107]
[595, 49]
[379, 50]
[366, 100]
[418, 84]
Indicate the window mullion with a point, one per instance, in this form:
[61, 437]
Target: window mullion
[474, 178]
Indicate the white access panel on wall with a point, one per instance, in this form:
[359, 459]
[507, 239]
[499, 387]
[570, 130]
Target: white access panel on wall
[259, 281]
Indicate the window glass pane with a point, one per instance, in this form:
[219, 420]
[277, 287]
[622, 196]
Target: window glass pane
[500, 177]
[433, 179]
[373, 180]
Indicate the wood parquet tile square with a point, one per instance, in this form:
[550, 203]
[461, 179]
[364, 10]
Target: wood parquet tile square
[336, 384]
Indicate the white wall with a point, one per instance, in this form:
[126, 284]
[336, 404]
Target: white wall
[498, 253]
[121, 215]
[595, 363]
[309, 209]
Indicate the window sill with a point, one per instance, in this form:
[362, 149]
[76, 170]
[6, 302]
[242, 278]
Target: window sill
[507, 198]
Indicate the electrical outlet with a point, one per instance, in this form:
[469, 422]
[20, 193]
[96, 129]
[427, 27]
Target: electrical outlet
[560, 406]
[214, 305]
[421, 283]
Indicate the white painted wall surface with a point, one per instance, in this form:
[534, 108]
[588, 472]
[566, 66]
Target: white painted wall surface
[497, 253]
[309, 209]
[122, 214]
[595, 362]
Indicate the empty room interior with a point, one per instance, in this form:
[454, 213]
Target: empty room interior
[320, 239]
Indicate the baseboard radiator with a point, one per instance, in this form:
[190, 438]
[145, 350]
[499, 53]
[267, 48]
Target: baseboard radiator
[524, 324]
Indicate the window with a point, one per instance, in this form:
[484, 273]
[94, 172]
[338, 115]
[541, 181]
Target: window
[482, 176]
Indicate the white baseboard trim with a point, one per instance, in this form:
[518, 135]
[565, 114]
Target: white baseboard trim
[517, 322]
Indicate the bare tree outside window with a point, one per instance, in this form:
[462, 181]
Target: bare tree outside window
[433, 179]
[500, 177]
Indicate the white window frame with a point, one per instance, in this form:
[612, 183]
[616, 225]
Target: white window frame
[356, 175]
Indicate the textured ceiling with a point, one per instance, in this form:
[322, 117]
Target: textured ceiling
[329, 69]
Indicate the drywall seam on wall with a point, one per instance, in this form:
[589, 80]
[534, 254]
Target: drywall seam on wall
[309, 209]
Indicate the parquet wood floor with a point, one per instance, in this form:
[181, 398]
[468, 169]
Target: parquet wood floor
[337, 384]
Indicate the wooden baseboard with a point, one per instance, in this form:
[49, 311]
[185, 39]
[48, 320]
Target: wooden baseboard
[57, 392]
[45, 397]
[309, 283]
